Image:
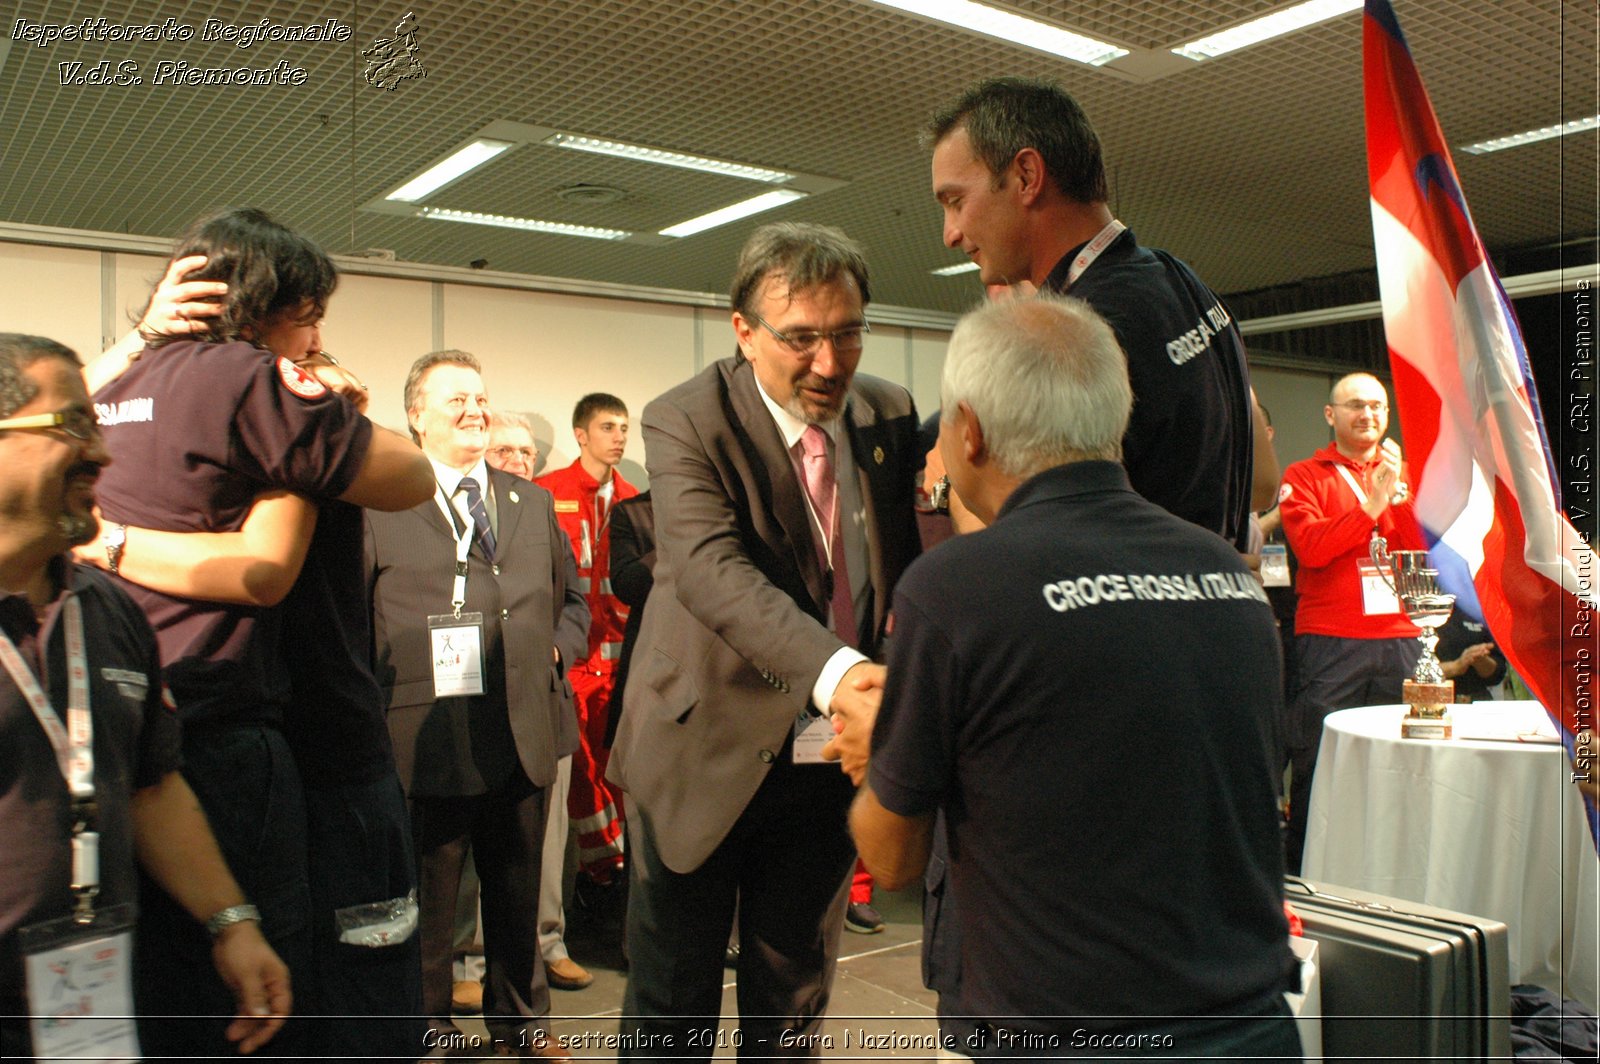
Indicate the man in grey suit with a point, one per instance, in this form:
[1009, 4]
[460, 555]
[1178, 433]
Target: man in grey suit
[475, 613]
[783, 488]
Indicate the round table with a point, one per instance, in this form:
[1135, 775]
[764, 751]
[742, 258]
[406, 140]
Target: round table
[1486, 823]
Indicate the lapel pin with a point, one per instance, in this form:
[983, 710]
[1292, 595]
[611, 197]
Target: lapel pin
[877, 455]
[515, 497]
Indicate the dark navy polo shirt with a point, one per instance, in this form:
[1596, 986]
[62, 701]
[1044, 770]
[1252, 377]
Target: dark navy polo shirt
[1087, 688]
[136, 742]
[1189, 445]
[335, 719]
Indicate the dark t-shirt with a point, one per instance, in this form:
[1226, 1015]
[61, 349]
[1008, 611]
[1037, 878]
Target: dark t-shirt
[196, 432]
[1189, 446]
[136, 741]
[1455, 636]
[1087, 689]
[335, 721]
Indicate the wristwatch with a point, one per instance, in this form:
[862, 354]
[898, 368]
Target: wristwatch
[233, 914]
[116, 540]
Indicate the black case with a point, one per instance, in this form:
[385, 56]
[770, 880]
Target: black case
[1405, 981]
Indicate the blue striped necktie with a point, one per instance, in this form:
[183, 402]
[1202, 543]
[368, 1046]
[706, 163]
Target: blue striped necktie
[480, 516]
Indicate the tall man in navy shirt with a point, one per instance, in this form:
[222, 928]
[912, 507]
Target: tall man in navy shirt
[1018, 171]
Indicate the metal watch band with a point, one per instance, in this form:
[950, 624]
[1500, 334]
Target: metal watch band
[233, 914]
[116, 541]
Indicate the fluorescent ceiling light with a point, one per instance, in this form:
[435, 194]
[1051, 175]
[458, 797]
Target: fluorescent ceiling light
[668, 158]
[1577, 125]
[1265, 28]
[436, 177]
[993, 22]
[732, 213]
[951, 271]
[531, 224]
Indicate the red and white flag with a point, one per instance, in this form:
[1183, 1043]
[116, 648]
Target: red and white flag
[1486, 488]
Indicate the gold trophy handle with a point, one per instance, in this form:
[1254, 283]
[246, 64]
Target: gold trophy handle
[1378, 550]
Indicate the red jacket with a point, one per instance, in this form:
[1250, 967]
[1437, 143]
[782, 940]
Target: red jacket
[1329, 533]
[588, 526]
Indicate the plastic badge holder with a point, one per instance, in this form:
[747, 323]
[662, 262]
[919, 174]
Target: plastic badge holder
[379, 923]
[1307, 1005]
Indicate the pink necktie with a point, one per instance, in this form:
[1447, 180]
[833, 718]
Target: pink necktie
[824, 492]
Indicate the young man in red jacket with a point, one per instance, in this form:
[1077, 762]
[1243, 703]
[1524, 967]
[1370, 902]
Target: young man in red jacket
[585, 491]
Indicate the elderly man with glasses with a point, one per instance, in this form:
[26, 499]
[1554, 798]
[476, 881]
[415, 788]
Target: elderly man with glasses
[1353, 642]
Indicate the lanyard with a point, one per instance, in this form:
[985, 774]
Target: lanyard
[458, 592]
[1401, 491]
[1092, 250]
[1349, 478]
[73, 742]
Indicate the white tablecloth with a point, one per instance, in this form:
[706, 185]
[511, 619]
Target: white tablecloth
[1490, 828]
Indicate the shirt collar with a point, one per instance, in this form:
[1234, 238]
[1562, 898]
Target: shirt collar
[790, 427]
[450, 479]
[17, 615]
[587, 483]
[1057, 277]
[1074, 478]
[1338, 457]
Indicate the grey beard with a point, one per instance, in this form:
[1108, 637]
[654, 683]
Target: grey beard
[797, 408]
[799, 412]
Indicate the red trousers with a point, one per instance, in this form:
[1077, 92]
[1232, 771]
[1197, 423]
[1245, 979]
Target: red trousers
[590, 801]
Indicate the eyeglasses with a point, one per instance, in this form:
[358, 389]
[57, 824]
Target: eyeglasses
[77, 423]
[502, 453]
[1356, 406]
[807, 341]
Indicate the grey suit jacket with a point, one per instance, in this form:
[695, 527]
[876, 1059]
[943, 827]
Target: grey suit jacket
[733, 635]
[460, 746]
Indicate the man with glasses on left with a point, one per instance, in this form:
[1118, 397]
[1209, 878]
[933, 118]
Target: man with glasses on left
[89, 741]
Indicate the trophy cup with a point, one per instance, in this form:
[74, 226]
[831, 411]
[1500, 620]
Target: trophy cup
[1428, 693]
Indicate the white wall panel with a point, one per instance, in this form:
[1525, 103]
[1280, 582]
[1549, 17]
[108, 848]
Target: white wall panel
[378, 326]
[927, 364]
[885, 354]
[1295, 400]
[52, 292]
[543, 352]
[135, 277]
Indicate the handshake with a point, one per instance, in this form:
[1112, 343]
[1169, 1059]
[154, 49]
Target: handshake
[854, 710]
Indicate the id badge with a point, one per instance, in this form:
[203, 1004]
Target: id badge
[811, 734]
[457, 645]
[80, 986]
[1275, 565]
[1377, 598]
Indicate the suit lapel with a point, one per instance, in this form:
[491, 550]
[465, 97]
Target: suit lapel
[861, 423]
[788, 499]
[434, 518]
[508, 505]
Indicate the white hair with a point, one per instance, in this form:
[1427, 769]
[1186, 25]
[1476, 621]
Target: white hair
[511, 420]
[1046, 380]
